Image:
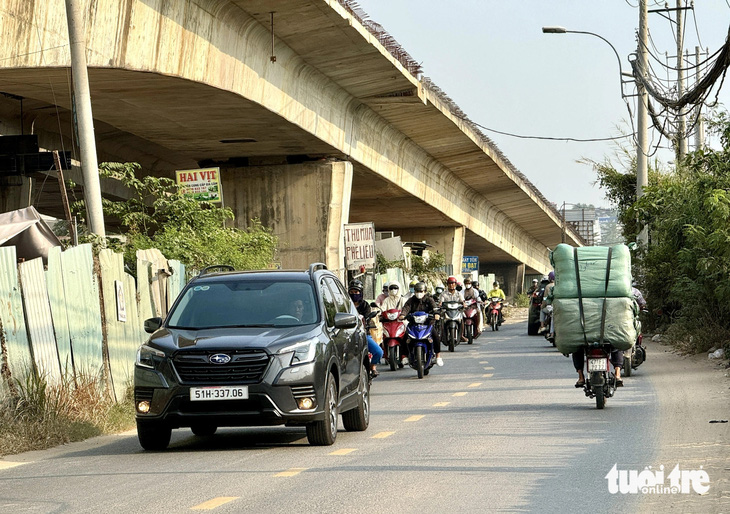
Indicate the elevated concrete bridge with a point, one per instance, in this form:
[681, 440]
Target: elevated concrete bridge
[335, 130]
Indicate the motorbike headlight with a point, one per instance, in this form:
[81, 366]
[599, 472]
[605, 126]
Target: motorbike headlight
[420, 319]
[300, 353]
[392, 316]
[147, 357]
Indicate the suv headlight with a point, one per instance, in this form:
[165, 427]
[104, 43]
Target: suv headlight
[147, 356]
[301, 353]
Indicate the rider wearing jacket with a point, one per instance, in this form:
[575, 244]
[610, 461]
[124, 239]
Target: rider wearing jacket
[473, 294]
[363, 309]
[496, 292]
[420, 301]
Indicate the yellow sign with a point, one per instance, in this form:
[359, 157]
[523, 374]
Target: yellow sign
[204, 185]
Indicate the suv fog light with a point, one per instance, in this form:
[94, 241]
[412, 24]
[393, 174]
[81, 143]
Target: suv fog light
[305, 403]
[143, 406]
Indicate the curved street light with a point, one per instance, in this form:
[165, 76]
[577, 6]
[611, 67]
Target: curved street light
[563, 30]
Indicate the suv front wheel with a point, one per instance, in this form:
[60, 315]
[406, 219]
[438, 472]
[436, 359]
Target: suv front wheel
[358, 419]
[324, 432]
[153, 435]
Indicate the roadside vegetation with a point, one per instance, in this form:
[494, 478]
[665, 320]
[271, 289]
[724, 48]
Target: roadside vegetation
[38, 415]
[684, 272]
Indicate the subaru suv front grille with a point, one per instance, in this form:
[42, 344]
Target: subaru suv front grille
[244, 366]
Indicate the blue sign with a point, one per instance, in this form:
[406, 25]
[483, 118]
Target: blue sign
[469, 263]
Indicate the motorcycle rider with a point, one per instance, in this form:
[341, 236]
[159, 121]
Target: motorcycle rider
[473, 294]
[534, 287]
[422, 302]
[617, 359]
[546, 308]
[496, 292]
[382, 296]
[438, 291]
[411, 289]
[452, 295]
[395, 301]
[638, 296]
[355, 290]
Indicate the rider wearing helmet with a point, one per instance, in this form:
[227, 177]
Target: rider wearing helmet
[382, 296]
[420, 301]
[496, 292]
[394, 299]
[546, 308]
[411, 289]
[470, 293]
[451, 294]
[363, 309]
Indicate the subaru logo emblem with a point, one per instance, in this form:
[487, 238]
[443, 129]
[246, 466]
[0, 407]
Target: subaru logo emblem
[220, 358]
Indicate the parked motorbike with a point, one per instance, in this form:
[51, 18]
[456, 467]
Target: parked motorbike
[421, 356]
[600, 379]
[453, 314]
[394, 333]
[495, 307]
[471, 310]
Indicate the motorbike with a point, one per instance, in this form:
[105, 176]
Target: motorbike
[452, 315]
[493, 310]
[533, 319]
[635, 357]
[420, 344]
[394, 334]
[471, 310]
[549, 334]
[600, 379]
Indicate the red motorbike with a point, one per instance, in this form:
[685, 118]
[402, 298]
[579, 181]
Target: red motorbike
[471, 313]
[493, 311]
[394, 334]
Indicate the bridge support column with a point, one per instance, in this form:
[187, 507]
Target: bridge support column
[448, 241]
[15, 193]
[305, 205]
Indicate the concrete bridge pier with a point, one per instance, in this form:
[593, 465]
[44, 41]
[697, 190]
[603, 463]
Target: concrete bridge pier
[448, 241]
[305, 205]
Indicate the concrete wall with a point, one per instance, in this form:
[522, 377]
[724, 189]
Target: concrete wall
[306, 206]
[448, 241]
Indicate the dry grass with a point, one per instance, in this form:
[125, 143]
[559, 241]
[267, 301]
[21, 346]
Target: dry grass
[37, 415]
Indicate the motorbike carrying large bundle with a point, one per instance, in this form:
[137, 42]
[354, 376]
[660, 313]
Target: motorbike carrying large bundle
[592, 298]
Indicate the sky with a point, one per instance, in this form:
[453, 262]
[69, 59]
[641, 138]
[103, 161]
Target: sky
[492, 59]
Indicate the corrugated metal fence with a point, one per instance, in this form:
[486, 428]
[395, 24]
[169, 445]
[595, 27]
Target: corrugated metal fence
[83, 315]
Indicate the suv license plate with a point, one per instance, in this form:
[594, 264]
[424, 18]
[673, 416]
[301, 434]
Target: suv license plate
[201, 394]
[597, 364]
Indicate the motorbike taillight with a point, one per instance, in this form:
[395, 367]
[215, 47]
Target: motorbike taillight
[596, 353]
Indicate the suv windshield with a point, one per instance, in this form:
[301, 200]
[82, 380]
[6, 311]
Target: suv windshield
[245, 303]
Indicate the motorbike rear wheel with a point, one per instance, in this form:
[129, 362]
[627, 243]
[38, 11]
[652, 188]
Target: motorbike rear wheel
[470, 334]
[600, 398]
[393, 357]
[626, 369]
[419, 361]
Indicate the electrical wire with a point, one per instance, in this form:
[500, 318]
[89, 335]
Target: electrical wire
[547, 138]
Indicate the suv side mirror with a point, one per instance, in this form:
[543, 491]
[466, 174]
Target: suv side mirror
[345, 320]
[152, 325]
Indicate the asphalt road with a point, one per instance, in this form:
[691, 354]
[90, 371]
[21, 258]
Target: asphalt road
[499, 428]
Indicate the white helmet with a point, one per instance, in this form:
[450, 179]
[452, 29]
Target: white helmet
[394, 288]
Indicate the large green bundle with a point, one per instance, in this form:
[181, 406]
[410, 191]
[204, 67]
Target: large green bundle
[592, 262]
[620, 328]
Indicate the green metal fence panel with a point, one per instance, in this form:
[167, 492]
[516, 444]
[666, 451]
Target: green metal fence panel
[39, 320]
[120, 320]
[176, 282]
[14, 332]
[84, 313]
[59, 311]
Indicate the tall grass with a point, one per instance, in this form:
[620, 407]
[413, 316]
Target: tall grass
[38, 415]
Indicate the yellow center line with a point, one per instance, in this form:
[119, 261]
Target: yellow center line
[382, 435]
[475, 384]
[483, 362]
[459, 394]
[488, 375]
[7, 465]
[441, 404]
[215, 502]
[414, 418]
[290, 472]
[343, 451]
[488, 368]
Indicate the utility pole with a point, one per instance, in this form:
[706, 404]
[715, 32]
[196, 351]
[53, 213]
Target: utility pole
[85, 119]
[642, 115]
[682, 127]
[699, 125]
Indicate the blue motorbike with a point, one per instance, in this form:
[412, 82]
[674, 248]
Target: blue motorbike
[421, 356]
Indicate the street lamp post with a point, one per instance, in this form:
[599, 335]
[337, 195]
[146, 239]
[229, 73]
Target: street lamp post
[641, 150]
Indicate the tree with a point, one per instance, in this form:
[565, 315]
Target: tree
[158, 215]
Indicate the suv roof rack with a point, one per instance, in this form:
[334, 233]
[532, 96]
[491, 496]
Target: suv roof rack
[207, 269]
[315, 266]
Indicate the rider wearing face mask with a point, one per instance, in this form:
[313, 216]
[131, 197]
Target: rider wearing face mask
[394, 299]
[472, 294]
[420, 301]
[363, 309]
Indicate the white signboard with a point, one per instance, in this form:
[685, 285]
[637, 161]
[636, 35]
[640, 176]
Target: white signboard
[204, 185]
[360, 245]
